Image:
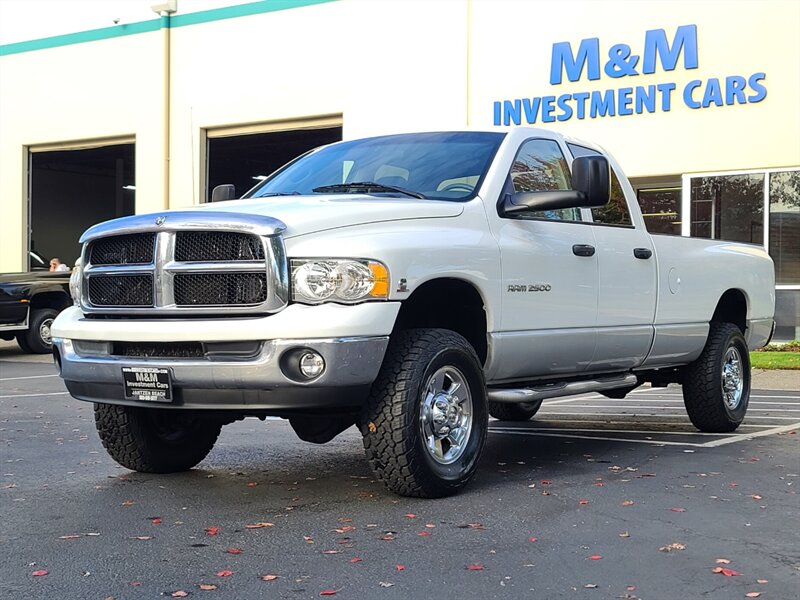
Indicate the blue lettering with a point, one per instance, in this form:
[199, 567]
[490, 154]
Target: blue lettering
[580, 103]
[566, 109]
[562, 59]
[621, 62]
[656, 45]
[531, 108]
[497, 106]
[512, 112]
[734, 90]
[624, 101]
[760, 90]
[547, 109]
[602, 105]
[645, 99]
[666, 90]
[713, 93]
[687, 93]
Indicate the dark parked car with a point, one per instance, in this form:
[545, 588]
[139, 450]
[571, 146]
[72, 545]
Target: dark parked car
[28, 304]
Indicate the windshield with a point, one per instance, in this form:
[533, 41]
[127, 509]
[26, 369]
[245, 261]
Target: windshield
[436, 166]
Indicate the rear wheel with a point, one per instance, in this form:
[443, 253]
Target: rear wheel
[152, 440]
[716, 386]
[514, 412]
[37, 339]
[425, 423]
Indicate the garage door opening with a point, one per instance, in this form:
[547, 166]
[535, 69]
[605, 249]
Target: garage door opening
[244, 160]
[71, 190]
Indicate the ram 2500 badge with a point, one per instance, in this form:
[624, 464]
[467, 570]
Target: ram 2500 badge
[411, 285]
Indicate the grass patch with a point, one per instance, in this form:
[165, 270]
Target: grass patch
[775, 360]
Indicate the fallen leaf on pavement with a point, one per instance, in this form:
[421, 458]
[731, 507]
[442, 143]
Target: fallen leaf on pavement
[756, 497]
[624, 534]
[224, 573]
[179, 594]
[591, 586]
[726, 572]
[532, 539]
[400, 568]
[583, 502]
[234, 550]
[40, 573]
[752, 594]
[128, 503]
[424, 533]
[207, 587]
[213, 530]
[411, 516]
[678, 509]
[723, 561]
[252, 484]
[627, 503]
[673, 546]
[331, 551]
[631, 588]
[595, 557]
[762, 580]
[71, 536]
[156, 521]
[327, 593]
[269, 577]
[345, 529]
[385, 584]
[475, 567]
[143, 538]
[356, 559]
[259, 525]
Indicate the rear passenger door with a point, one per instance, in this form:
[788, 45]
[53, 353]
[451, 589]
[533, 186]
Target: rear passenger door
[627, 280]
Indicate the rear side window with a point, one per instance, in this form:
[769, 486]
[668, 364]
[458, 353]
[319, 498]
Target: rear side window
[616, 211]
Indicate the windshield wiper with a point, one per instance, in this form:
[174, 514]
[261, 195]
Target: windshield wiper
[366, 187]
[270, 194]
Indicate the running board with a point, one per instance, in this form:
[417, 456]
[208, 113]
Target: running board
[554, 390]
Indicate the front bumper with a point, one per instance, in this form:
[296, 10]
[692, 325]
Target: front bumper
[259, 384]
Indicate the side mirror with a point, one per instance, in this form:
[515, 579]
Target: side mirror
[590, 183]
[223, 192]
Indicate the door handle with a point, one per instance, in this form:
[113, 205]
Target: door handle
[583, 250]
[642, 253]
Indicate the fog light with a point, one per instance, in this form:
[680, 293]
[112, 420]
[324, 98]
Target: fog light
[311, 364]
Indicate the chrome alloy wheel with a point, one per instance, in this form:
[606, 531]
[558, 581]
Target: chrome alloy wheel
[44, 331]
[446, 415]
[732, 378]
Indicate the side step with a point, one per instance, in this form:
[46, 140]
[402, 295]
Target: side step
[555, 390]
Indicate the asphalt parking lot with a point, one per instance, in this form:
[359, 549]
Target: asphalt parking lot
[594, 498]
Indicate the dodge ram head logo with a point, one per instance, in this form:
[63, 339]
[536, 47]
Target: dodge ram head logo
[533, 287]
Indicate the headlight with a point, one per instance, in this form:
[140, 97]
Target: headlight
[75, 282]
[338, 280]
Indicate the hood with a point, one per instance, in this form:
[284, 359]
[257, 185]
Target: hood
[308, 214]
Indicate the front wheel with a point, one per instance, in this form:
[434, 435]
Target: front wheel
[152, 440]
[425, 423]
[716, 386]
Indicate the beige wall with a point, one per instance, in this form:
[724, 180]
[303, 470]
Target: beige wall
[391, 66]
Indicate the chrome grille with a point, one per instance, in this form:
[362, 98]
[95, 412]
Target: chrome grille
[200, 262]
[216, 246]
[121, 290]
[215, 289]
[136, 248]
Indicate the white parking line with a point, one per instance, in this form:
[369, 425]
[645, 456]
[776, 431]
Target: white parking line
[630, 415]
[28, 377]
[749, 436]
[641, 431]
[677, 408]
[35, 395]
[592, 437]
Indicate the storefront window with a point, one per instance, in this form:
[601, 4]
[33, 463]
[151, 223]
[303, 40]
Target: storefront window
[661, 209]
[784, 226]
[728, 207]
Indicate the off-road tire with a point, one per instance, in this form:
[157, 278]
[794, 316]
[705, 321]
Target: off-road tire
[31, 340]
[131, 437]
[702, 382]
[390, 421]
[506, 411]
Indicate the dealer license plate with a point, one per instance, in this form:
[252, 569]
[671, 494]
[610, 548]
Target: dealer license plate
[147, 384]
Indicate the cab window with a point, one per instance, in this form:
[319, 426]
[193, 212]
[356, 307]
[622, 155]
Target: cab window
[540, 166]
[616, 211]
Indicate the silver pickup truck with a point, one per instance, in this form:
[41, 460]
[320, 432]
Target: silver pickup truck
[411, 285]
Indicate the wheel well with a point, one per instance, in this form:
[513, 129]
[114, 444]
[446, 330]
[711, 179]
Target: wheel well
[732, 308]
[57, 300]
[449, 304]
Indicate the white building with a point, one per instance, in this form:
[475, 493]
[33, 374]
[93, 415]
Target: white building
[107, 108]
